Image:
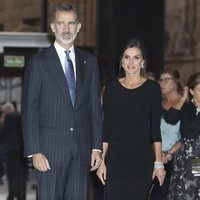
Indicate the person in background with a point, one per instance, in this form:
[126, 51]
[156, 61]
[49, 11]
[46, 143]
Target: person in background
[2, 170]
[61, 112]
[150, 75]
[16, 166]
[183, 184]
[1, 116]
[172, 91]
[132, 112]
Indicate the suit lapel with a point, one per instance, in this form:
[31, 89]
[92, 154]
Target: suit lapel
[81, 63]
[57, 71]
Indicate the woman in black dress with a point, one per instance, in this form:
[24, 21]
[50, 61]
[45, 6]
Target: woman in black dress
[132, 112]
[183, 184]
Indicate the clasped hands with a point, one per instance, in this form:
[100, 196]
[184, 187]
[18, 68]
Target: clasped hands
[166, 157]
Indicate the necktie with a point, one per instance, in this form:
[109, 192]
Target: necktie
[69, 73]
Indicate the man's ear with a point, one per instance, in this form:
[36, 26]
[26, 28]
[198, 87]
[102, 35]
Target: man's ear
[53, 27]
[78, 27]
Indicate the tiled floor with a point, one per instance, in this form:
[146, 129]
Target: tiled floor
[95, 194]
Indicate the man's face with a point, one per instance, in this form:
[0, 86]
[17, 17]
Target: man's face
[65, 27]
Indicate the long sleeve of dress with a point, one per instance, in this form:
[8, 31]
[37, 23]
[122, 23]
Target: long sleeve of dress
[155, 114]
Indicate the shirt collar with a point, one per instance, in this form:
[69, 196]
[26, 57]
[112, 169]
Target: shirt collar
[60, 49]
[197, 107]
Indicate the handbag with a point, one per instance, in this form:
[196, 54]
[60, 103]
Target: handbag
[152, 190]
[195, 166]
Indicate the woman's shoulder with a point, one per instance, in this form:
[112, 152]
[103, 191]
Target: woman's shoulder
[152, 84]
[188, 105]
[153, 89]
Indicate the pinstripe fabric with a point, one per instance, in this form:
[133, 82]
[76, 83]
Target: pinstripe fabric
[52, 126]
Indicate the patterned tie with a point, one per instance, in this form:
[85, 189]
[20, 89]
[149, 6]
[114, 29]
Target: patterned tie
[69, 73]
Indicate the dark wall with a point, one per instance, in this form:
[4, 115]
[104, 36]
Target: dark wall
[120, 20]
[15, 71]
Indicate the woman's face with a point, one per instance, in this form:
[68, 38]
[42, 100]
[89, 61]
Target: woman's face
[132, 60]
[167, 83]
[196, 93]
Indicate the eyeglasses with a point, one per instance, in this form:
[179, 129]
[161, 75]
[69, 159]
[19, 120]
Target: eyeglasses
[164, 80]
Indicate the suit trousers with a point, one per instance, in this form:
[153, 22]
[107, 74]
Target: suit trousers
[67, 179]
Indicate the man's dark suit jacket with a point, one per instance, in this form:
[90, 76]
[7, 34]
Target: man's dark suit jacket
[47, 111]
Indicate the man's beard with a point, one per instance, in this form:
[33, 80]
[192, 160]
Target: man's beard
[63, 40]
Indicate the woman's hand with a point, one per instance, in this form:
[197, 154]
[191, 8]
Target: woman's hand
[166, 157]
[160, 173]
[185, 94]
[164, 160]
[101, 172]
[169, 157]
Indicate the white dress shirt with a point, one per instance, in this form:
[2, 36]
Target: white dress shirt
[62, 55]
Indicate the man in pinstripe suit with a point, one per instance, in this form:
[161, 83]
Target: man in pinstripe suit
[63, 138]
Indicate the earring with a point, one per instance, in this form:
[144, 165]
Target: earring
[142, 65]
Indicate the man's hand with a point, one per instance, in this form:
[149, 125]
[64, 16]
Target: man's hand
[96, 159]
[40, 162]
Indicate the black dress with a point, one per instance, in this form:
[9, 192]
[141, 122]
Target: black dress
[131, 124]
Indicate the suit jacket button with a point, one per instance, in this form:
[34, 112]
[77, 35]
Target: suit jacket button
[71, 129]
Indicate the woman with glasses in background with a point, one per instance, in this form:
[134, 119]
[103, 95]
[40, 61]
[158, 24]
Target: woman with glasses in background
[172, 90]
